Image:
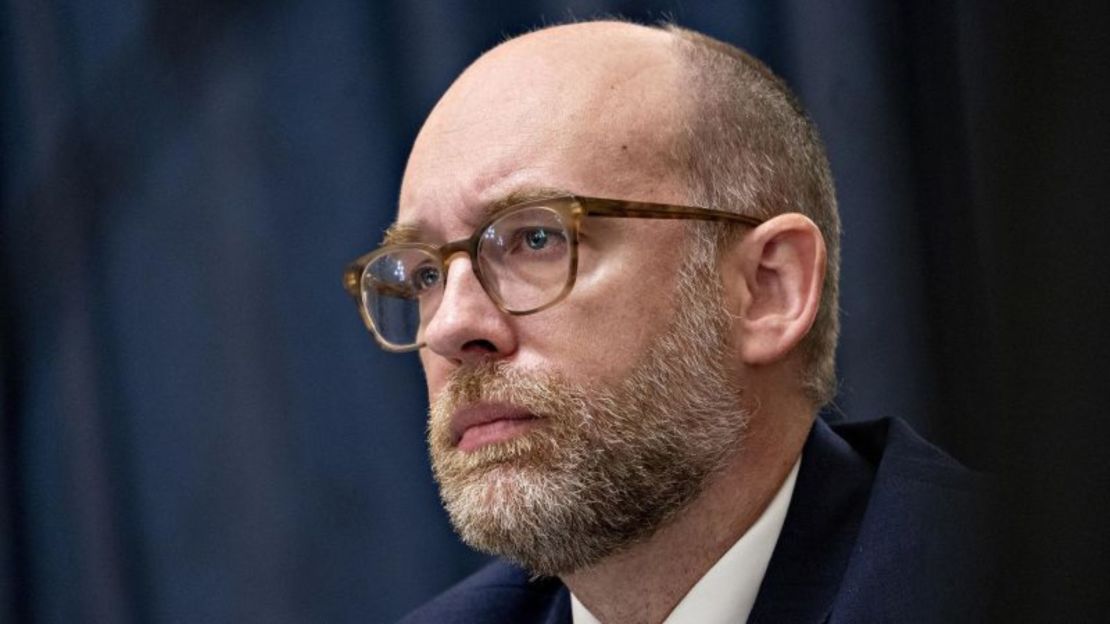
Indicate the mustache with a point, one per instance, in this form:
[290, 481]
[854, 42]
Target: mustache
[471, 384]
[497, 382]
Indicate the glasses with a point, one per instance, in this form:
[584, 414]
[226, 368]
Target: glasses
[525, 257]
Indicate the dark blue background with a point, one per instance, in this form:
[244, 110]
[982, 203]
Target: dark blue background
[197, 428]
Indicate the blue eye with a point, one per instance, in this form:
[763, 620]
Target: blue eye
[536, 239]
[425, 277]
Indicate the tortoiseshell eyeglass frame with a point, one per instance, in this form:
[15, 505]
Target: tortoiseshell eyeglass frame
[572, 208]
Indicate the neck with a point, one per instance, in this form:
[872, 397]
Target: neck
[645, 582]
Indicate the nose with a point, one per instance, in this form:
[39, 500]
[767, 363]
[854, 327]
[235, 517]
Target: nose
[468, 326]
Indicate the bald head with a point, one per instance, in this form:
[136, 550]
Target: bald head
[602, 97]
[604, 71]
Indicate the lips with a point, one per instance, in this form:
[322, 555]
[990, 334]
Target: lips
[480, 424]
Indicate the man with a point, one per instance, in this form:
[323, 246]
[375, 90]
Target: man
[617, 252]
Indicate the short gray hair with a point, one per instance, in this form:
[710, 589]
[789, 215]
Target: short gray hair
[751, 148]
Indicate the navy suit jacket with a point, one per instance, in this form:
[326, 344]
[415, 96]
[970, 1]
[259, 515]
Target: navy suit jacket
[882, 527]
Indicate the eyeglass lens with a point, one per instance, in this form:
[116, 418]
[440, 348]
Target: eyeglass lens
[524, 258]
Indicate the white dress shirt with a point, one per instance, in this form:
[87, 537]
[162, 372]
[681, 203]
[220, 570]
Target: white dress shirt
[726, 594]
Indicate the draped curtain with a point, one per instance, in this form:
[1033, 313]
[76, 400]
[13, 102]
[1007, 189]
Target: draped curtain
[197, 428]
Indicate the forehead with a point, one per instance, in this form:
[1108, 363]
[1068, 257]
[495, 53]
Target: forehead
[596, 111]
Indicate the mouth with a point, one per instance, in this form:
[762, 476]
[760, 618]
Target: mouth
[477, 425]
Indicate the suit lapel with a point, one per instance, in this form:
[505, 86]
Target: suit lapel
[819, 533]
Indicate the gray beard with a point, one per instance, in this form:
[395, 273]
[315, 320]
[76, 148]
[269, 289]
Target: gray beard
[608, 465]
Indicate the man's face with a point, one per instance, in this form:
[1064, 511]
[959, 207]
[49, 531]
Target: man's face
[561, 436]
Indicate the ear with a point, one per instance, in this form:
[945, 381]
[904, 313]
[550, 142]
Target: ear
[772, 285]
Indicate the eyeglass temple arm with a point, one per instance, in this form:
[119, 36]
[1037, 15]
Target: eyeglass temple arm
[644, 210]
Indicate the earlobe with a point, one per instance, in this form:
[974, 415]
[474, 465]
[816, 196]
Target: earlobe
[773, 279]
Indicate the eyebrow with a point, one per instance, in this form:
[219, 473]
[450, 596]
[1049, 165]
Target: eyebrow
[520, 196]
[400, 233]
